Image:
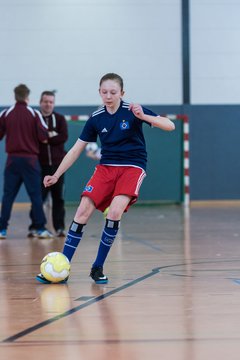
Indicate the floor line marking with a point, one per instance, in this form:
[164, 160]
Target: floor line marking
[101, 297]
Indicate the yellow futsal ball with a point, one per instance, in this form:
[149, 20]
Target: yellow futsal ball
[105, 213]
[55, 267]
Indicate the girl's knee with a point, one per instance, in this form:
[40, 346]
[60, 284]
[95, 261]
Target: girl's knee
[114, 214]
[84, 210]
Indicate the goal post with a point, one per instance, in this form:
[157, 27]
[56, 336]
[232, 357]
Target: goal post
[168, 161]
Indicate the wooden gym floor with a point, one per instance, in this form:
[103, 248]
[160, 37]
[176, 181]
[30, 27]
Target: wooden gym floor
[173, 294]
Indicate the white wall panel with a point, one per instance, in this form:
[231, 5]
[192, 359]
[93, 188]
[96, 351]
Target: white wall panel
[68, 45]
[215, 51]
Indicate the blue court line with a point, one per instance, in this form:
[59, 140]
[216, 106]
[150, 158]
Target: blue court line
[143, 242]
[157, 248]
[237, 281]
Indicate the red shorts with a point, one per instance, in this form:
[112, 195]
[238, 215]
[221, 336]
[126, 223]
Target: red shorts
[110, 181]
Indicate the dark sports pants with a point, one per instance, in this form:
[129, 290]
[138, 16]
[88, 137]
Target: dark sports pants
[20, 170]
[57, 194]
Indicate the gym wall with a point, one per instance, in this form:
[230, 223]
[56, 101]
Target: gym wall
[68, 45]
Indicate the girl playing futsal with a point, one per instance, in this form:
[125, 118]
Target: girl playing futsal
[121, 170]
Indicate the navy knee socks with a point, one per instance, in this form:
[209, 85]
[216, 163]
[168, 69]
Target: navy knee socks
[108, 236]
[73, 238]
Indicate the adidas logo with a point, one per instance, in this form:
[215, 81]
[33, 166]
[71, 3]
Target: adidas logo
[104, 130]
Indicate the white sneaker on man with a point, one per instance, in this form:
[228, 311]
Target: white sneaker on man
[44, 234]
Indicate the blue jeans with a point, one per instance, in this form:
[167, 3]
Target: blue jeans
[20, 170]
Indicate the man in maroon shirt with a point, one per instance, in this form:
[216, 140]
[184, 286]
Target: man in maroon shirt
[50, 156]
[24, 129]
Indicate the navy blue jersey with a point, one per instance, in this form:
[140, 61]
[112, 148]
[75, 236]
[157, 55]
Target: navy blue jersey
[120, 134]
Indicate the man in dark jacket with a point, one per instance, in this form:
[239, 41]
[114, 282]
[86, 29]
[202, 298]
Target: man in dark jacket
[50, 156]
[25, 130]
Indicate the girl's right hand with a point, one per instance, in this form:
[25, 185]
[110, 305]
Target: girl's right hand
[50, 180]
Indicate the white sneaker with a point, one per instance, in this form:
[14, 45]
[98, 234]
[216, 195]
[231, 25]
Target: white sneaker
[44, 234]
[32, 233]
[60, 233]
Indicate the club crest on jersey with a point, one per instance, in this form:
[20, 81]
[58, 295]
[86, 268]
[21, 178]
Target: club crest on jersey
[88, 188]
[124, 125]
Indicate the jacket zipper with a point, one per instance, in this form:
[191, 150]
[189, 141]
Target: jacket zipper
[49, 147]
